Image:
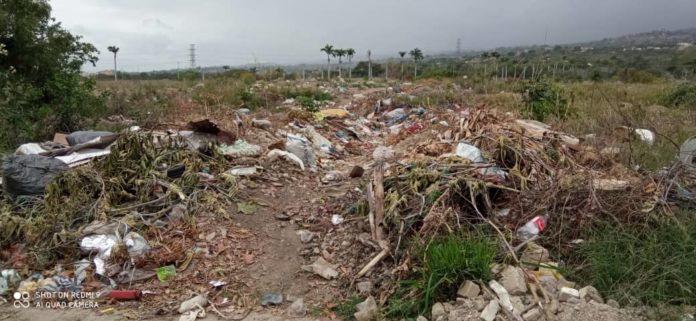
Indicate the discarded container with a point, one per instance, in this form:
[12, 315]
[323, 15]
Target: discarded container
[124, 294]
[29, 174]
[165, 272]
[193, 303]
[217, 283]
[532, 228]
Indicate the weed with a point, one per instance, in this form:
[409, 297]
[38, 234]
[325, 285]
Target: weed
[682, 96]
[644, 264]
[446, 263]
[545, 98]
[308, 103]
[346, 309]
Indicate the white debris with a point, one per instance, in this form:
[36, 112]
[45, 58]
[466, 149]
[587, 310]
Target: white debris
[276, 153]
[490, 311]
[567, 294]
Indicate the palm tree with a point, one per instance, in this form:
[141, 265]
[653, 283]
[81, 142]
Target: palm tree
[417, 56]
[328, 49]
[114, 49]
[339, 53]
[350, 52]
[402, 54]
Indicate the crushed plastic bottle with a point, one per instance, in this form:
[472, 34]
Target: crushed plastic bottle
[532, 228]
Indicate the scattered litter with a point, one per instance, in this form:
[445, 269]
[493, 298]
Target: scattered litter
[470, 152]
[336, 219]
[366, 310]
[610, 184]
[243, 171]
[136, 244]
[239, 149]
[165, 272]
[645, 135]
[322, 268]
[217, 283]
[297, 309]
[332, 113]
[271, 299]
[305, 236]
[261, 123]
[192, 303]
[275, 154]
[532, 228]
[102, 244]
[29, 174]
[302, 148]
[9, 279]
[81, 137]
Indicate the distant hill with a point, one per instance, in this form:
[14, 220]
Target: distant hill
[657, 38]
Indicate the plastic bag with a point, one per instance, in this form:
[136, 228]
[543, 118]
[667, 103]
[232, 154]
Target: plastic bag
[29, 174]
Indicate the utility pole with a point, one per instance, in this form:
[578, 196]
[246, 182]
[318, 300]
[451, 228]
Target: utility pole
[369, 64]
[386, 71]
[177, 70]
[192, 55]
[459, 47]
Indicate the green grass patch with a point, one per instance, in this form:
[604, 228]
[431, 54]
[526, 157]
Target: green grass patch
[346, 309]
[648, 264]
[682, 96]
[443, 264]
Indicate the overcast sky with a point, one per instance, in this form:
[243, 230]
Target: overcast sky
[155, 34]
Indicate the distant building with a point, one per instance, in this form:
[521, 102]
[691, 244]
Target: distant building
[684, 45]
[105, 73]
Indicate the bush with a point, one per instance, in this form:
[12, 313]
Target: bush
[632, 75]
[543, 98]
[41, 90]
[683, 96]
[648, 264]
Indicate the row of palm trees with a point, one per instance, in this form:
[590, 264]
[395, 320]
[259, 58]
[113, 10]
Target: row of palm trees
[340, 53]
[416, 54]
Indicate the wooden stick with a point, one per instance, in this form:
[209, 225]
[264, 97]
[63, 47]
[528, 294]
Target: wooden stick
[371, 214]
[379, 199]
[373, 262]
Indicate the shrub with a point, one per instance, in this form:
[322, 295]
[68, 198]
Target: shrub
[683, 95]
[543, 98]
[41, 90]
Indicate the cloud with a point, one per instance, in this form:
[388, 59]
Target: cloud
[156, 34]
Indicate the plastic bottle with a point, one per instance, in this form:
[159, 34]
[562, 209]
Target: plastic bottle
[532, 228]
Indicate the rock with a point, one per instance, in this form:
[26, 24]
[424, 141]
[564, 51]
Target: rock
[613, 303]
[567, 294]
[193, 303]
[271, 299]
[261, 123]
[503, 295]
[479, 303]
[367, 310]
[297, 309]
[282, 217]
[469, 290]
[513, 280]
[490, 311]
[322, 268]
[590, 293]
[552, 306]
[517, 303]
[383, 153]
[437, 311]
[532, 315]
[356, 171]
[496, 268]
[421, 318]
[534, 254]
[448, 306]
[364, 287]
[462, 314]
[305, 236]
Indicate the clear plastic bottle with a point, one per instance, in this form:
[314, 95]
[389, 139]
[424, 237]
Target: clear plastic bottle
[532, 228]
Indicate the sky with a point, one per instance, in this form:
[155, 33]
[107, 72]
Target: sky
[156, 34]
